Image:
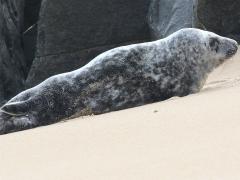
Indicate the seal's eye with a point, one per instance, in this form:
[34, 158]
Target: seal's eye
[214, 42]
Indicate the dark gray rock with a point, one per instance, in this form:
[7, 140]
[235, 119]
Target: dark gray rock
[167, 16]
[219, 16]
[72, 32]
[29, 45]
[31, 12]
[12, 62]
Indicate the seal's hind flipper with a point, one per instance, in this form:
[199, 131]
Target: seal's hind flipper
[15, 108]
[15, 116]
[9, 123]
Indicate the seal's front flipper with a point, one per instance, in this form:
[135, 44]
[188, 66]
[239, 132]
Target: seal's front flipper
[16, 108]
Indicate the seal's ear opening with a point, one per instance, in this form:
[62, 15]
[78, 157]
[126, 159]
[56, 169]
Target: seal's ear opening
[15, 108]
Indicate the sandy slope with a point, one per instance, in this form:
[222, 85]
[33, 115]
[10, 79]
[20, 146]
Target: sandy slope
[196, 137]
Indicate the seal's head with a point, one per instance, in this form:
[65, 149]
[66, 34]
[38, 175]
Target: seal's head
[195, 53]
[220, 48]
[203, 47]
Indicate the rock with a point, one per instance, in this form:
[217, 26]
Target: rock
[31, 12]
[72, 32]
[168, 16]
[12, 62]
[29, 45]
[219, 16]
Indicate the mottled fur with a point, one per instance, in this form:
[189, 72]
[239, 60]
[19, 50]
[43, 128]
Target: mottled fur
[121, 78]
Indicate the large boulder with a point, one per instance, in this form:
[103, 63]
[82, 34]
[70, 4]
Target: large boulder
[12, 62]
[31, 12]
[219, 16]
[167, 16]
[72, 32]
[29, 45]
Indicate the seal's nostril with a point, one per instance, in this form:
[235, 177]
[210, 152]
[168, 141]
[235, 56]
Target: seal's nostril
[236, 47]
[232, 51]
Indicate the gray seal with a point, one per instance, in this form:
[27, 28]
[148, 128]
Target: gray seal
[121, 78]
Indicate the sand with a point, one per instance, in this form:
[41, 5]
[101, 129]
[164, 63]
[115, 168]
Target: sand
[195, 137]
